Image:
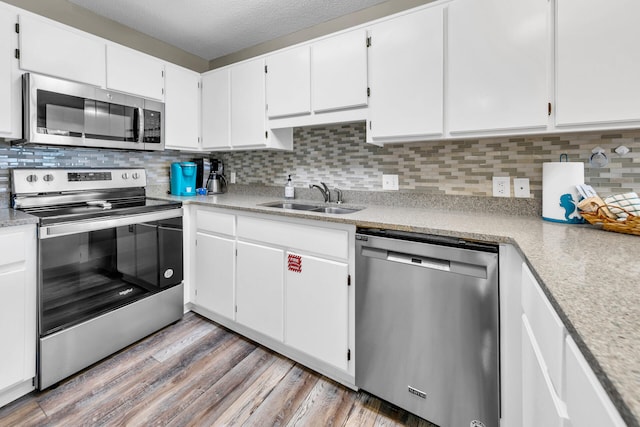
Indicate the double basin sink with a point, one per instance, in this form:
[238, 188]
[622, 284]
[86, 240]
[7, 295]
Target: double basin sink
[311, 208]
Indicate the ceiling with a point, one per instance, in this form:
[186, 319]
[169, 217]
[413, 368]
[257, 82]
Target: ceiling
[214, 28]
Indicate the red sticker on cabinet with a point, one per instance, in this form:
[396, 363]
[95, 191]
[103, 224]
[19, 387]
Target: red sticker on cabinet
[295, 263]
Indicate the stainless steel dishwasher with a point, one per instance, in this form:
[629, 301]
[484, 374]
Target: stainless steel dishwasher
[427, 325]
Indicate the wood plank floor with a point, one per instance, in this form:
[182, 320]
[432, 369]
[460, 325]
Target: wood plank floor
[195, 373]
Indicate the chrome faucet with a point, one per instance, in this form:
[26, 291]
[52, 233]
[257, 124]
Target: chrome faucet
[339, 193]
[326, 193]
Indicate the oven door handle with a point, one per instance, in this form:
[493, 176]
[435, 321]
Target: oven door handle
[51, 231]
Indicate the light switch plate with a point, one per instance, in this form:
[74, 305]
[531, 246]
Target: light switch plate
[501, 186]
[521, 187]
[390, 182]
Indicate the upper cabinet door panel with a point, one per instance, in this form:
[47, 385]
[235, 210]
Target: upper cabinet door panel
[598, 61]
[289, 82]
[248, 105]
[182, 107]
[134, 72]
[498, 53]
[216, 109]
[406, 72]
[339, 71]
[10, 99]
[50, 48]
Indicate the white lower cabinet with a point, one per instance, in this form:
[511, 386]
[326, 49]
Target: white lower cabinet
[317, 307]
[286, 283]
[215, 273]
[259, 288]
[17, 311]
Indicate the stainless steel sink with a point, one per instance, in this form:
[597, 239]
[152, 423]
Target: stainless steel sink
[311, 208]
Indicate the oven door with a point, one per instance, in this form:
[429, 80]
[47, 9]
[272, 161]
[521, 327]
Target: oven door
[89, 268]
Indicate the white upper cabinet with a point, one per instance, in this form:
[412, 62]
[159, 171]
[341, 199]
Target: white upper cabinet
[406, 77]
[51, 48]
[216, 110]
[248, 105]
[182, 108]
[289, 82]
[134, 72]
[597, 62]
[498, 65]
[10, 92]
[339, 71]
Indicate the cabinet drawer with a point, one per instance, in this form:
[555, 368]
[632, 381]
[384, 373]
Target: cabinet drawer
[320, 240]
[216, 222]
[546, 326]
[587, 402]
[12, 248]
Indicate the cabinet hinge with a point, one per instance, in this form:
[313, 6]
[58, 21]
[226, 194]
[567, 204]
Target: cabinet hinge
[349, 354]
[349, 280]
[17, 53]
[369, 41]
[162, 91]
[368, 92]
[549, 108]
[266, 134]
[162, 73]
[198, 140]
[265, 69]
[236, 252]
[17, 28]
[369, 125]
[236, 308]
[196, 292]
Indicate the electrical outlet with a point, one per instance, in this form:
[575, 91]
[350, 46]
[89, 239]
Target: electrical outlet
[501, 186]
[233, 178]
[390, 182]
[521, 187]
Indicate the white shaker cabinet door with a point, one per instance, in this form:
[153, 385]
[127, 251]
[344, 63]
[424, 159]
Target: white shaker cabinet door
[598, 62]
[339, 72]
[134, 72]
[498, 68]
[289, 82]
[248, 105]
[216, 109]
[259, 288]
[51, 48]
[406, 72]
[317, 308]
[10, 93]
[182, 108]
[215, 273]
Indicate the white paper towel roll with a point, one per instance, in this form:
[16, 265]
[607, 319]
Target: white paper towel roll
[559, 194]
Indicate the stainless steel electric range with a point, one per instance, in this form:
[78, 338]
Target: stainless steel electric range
[110, 263]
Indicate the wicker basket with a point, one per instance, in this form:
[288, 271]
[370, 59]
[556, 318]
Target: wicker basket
[630, 225]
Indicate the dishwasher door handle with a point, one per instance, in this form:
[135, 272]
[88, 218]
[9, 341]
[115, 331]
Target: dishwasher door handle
[419, 261]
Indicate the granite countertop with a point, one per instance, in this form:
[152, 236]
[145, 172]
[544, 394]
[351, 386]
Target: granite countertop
[591, 277]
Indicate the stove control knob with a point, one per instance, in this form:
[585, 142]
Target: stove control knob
[135, 175]
[125, 176]
[48, 177]
[32, 178]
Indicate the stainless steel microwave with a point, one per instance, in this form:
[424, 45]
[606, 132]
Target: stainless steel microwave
[60, 112]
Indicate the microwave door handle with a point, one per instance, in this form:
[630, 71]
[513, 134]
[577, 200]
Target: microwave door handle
[140, 135]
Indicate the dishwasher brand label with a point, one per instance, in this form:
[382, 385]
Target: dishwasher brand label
[417, 392]
[295, 263]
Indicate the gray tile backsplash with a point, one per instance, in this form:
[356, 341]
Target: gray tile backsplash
[339, 156]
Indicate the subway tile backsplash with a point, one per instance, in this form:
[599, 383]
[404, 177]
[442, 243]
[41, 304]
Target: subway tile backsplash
[339, 156]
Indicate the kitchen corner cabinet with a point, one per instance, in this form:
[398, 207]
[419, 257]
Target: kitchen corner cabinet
[317, 307]
[134, 72]
[406, 66]
[17, 311]
[339, 72]
[597, 62]
[182, 108]
[10, 83]
[289, 82]
[216, 111]
[498, 66]
[57, 50]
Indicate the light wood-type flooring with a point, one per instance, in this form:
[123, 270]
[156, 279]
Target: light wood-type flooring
[196, 373]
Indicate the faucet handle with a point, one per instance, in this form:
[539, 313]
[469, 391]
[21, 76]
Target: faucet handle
[339, 193]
